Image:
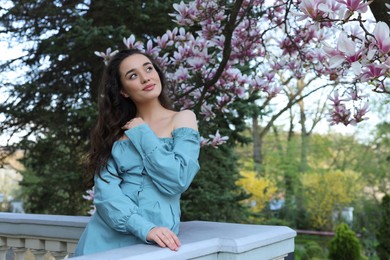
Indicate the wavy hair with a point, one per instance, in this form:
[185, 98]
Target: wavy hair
[114, 111]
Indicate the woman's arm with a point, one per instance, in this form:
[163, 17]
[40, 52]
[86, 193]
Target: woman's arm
[116, 209]
[171, 171]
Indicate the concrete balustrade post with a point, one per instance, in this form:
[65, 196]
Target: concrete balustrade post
[18, 246]
[3, 248]
[56, 248]
[59, 255]
[3, 252]
[71, 247]
[39, 254]
[19, 253]
[37, 247]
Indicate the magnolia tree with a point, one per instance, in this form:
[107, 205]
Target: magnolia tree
[244, 50]
[226, 52]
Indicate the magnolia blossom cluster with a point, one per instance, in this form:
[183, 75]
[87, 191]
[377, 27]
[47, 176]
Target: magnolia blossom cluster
[219, 54]
[359, 52]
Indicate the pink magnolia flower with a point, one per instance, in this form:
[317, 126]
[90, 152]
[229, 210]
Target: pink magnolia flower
[382, 36]
[240, 91]
[372, 71]
[185, 13]
[224, 100]
[131, 44]
[310, 9]
[331, 9]
[359, 114]
[345, 52]
[207, 112]
[181, 74]
[217, 139]
[196, 63]
[90, 196]
[107, 55]
[340, 114]
[204, 141]
[153, 51]
[164, 41]
[355, 5]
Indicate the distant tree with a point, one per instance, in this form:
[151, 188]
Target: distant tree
[326, 193]
[214, 196]
[261, 189]
[53, 105]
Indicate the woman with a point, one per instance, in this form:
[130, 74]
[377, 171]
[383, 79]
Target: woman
[143, 156]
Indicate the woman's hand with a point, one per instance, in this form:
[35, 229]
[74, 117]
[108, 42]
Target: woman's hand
[130, 124]
[164, 237]
[136, 121]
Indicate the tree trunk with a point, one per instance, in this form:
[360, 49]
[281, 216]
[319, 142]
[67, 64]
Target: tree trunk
[257, 144]
[379, 10]
[304, 133]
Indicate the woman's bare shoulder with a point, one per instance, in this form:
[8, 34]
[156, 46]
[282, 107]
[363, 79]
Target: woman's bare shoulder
[185, 118]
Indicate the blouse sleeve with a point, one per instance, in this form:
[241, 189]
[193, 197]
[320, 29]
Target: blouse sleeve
[172, 171]
[116, 209]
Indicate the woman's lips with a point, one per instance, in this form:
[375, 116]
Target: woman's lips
[149, 87]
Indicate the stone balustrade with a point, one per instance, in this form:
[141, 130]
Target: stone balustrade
[25, 236]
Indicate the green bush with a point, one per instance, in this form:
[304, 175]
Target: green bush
[344, 245]
[313, 251]
[383, 236]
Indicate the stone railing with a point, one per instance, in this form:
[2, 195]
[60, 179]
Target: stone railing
[23, 236]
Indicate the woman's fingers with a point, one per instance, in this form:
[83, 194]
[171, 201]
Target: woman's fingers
[164, 238]
[133, 123]
[170, 242]
[176, 240]
[159, 241]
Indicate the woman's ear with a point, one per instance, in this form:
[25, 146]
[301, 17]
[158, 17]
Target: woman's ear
[124, 94]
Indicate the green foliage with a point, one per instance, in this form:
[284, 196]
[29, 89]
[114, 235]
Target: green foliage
[344, 245]
[54, 186]
[327, 192]
[383, 236]
[373, 159]
[213, 196]
[312, 250]
[54, 103]
[261, 189]
[365, 210]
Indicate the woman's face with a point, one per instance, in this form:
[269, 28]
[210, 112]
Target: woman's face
[140, 80]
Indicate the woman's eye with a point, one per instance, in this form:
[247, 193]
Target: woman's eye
[148, 69]
[133, 76]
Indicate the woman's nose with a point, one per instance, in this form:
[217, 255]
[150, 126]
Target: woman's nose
[144, 77]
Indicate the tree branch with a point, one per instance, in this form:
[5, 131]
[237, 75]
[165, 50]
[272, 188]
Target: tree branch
[227, 49]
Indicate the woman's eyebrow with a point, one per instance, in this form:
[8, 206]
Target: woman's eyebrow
[143, 65]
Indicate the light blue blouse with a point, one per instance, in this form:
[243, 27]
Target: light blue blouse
[153, 173]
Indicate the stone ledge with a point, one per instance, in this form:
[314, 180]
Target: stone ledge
[200, 240]
[207, 240]
[39, 225]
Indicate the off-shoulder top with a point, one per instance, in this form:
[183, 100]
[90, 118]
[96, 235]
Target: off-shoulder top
[141, 186]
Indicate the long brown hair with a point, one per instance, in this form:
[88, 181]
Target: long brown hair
[114, 111]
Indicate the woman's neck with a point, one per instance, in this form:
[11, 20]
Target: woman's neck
[151, 111]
